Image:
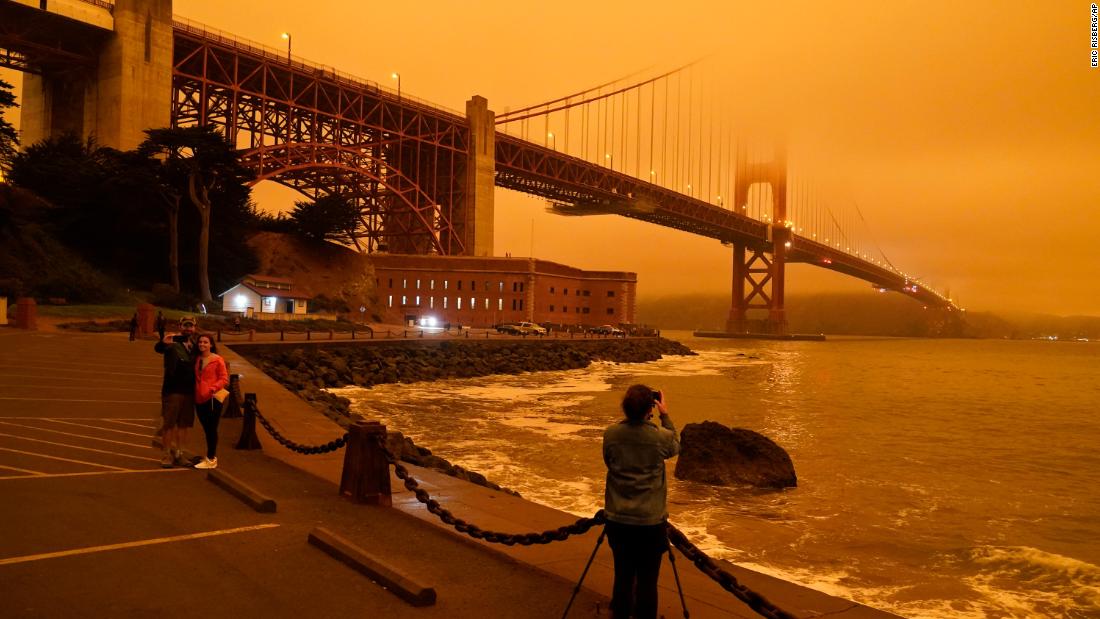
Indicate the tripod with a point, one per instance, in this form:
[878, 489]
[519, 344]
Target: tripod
[577, 589]
[599, 540]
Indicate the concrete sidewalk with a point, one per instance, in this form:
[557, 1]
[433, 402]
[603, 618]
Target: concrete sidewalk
[492, 510]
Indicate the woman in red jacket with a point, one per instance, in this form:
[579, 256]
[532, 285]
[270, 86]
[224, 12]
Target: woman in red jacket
[211, 377]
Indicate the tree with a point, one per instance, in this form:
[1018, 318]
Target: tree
[9, 138]
[332, 217]
[200, 162]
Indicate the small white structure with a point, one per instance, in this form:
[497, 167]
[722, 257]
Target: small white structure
[265, 297]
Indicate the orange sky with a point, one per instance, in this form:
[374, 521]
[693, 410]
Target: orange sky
[967, 132]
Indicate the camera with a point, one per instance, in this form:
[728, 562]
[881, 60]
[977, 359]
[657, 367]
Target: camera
[179, 338]
[657, 395]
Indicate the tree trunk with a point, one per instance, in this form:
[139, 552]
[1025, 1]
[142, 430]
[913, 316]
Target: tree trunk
[200, 197]
[174, 241]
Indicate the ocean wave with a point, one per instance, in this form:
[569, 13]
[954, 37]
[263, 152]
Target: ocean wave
[1027, 582]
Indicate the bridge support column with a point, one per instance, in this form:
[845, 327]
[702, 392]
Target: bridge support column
[736, 322]
[480, 178]
[128, 91]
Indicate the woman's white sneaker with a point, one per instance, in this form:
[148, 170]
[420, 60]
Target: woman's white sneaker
[207, 463]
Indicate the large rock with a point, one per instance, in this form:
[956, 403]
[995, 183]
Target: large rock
[711, 453]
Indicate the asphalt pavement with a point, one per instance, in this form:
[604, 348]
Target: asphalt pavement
[92, 526]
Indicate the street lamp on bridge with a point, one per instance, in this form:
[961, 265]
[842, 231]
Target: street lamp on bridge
[286, 36]
[553, 142]
[610, 160]
[397, 76]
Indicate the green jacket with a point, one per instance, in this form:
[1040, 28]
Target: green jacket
[635, 453]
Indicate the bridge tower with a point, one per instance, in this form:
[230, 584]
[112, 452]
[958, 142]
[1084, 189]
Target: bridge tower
[124, 90]
[480, 177]
[759, 271]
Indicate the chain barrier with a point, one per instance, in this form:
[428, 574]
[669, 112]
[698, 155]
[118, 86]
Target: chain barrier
[754, 600]
[508, 539]
[332, 445]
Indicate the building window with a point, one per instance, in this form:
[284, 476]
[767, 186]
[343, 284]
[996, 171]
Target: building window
[586, 292]
[486, 300]
[431, 284]
[500, 304]
[418, 300]
[390, 301]
[391, 282]
[431, 302]
[551, 308]
[418, 284]
[473, 285]
[521, 286]
[521, 303]
[585, 311]
[458, 302]
[404, 283]
[460, 284]
[473, 302]
[565, 291]
[565, 309]
[404, 300]
[501, 286]
[551, 290]
[445, 283]
[610, 293]
[444, 302]
[578, 292]
[513, 304]
[610, 311]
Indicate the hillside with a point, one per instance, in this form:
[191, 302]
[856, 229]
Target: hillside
[338, 278]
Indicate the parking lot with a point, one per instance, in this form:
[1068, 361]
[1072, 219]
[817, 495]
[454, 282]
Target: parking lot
[93, 527]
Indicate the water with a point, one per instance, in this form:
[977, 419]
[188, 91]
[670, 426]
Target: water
[937, 478]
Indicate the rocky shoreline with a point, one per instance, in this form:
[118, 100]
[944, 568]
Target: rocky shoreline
[309, 369]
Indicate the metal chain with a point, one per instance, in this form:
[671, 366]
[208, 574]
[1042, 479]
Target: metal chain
[754, 600]
[332, 445]
[508, 539]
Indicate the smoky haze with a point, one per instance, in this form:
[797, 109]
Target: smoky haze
[965, 132]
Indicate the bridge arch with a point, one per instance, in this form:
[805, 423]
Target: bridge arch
[395, 213]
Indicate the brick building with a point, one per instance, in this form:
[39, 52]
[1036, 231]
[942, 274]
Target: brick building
[484, 291]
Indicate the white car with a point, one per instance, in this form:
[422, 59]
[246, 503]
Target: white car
[532, 328]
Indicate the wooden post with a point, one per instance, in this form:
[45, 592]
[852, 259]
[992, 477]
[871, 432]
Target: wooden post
[366, 474]
[248, 439]
[26, 314]
[231, 409]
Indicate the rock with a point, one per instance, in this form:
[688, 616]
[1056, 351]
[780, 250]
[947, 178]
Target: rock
[711, 453]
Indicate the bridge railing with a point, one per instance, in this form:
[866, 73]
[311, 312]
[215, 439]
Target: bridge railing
[107, 4]
[275, 54]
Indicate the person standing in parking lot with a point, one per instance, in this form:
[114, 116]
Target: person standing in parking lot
[211, 379]
[177, 391]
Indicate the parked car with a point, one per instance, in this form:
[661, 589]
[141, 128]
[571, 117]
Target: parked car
[607, 330]
[532, 328]
[521, 328]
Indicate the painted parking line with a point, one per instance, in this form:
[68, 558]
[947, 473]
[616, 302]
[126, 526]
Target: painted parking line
[98, 381]
[89, 473]
[68, 400]
[56, 369]
[80, 387]
[130, 423]
[85, 425]
[84, 436]
[38, 455]
[27, 471]
[145, 542]
[98, 451]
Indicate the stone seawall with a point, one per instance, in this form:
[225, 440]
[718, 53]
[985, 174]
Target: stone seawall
[308, 368]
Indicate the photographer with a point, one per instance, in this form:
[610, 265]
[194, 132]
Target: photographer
[635, 500]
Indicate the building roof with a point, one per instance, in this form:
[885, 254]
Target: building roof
[268, 278]
[270, 292]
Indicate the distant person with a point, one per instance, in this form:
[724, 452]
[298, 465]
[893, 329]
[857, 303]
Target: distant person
[162, 325]
[211, 379]
[133, 327]
[236, 323]
[177, 391]
[636, 500]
